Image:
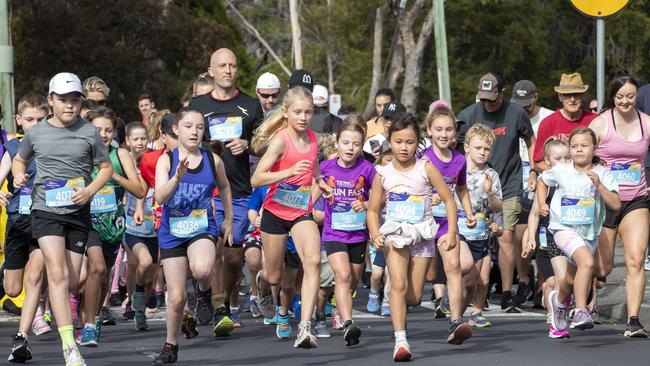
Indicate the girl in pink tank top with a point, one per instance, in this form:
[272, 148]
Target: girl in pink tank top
[288, 166]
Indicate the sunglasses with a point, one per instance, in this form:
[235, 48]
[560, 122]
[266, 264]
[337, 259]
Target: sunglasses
[267, 96]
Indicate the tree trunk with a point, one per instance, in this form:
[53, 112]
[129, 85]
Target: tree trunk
[296, 33]
[328, 52]
[376, 59]
[396, 69]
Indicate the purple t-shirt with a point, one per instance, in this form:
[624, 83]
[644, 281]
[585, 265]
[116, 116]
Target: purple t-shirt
[455, 174]
[342, 224]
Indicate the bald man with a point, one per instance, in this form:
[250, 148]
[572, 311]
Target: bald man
[231, 117]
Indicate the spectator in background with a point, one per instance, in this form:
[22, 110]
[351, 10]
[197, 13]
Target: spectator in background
[268, 91]
[346, 111]
[593, 106]
[95, 89]
[145, 105]
[202, 84]
[321, 96]
[382, 97]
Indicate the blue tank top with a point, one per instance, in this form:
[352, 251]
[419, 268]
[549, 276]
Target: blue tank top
[11, 147]
[189, 211]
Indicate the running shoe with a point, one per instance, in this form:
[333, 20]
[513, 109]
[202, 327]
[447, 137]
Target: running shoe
[204, 310]
[521, 296]
[98, 327]
[74, 304]
[107, 317]
[188, 326]
[160, 299]
[557, 334]
[47, 316]
[254, 309]
[223, 324]
[305, 339]
[20, 351]
[114, 300]
[140, 321]
[444, 305]
[40, 326]
[320, 330]
[329, 309]
[634, 328]
[477, 320]
[235, 315]
[459, 332]
[558, 313]
[373, 302]
[385, 308]
[138, 301]
[168, 354]
[274, 319]
[337, 322]
[596, 317]
[582, 320]
[129, 312]
[402, 352]
[439, 312]
[351, 333]
[508, 304]
[264, 299]
[646, 265]
[88, 337]
[73, 357]
[283, 328]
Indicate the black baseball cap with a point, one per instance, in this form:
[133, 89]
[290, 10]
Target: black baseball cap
[166, 125]
[523, 93]
[301, 78]
[392, 109]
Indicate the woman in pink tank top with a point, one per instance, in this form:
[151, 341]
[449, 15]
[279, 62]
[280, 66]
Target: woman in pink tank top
[288, 166]
[623, 134]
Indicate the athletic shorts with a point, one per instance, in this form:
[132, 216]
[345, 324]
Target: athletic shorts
[356, 251]
[291, 259]
[511, 210]
[109, 250]
[423, 249]
[272, 224]
[551, 247]
[479, 248]
[252, 240]
[151, 243]
[19, 243]
[380, 259]
[569, 241]
[326, 272]
[543, 261]
[74, 227]
[240, 221]
[614, 218]
[526, 204]
[181, 249]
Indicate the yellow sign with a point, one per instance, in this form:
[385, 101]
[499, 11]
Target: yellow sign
[599, 8]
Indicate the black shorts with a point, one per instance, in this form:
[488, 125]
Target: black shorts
[109, 250]
[74, 227]
[19, 243]
[152, 244]
[614, 218]
[356, 251]
[291, 260]
[543, 261]
[380, 259]
[272, 224]
[551, 247]
[181, 250]
[479, 248]
[526, 204]
[251, 241]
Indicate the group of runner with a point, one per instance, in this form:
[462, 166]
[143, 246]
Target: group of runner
[307, 200]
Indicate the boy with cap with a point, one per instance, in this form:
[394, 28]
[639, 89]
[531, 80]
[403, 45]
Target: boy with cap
[61, 194]
[268, 91]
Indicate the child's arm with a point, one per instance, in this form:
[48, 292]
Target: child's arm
[19, 171]
[253, 217]
[226, 198]
[438, 182]
[319, 216]
[166, 186]
[374, 208]
[611, 199]
[138, 215]
[533, 226]
[262, 176]
[466, 201]
[132, 182]
[540, 197]
[494, 200]
[81, 196]
[5, 168]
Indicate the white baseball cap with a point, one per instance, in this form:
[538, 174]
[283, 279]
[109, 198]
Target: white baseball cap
[320, 94]
[268, 81]
[64, 83]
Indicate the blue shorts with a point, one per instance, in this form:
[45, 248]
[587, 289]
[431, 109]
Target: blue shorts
[240, 221]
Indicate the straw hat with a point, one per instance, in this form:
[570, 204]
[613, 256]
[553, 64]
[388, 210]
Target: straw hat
[571, 84]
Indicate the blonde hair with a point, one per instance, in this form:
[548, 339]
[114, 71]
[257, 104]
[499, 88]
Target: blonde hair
[482, 131]
[552, 142]
[155, 119]
[33, 100]
[95, 83]
[276, 121]
[328, 145]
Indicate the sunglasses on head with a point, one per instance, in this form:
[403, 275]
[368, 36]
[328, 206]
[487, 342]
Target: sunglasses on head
[267, 96]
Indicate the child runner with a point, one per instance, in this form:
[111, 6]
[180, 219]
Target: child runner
[22, 254]
[289, 166]
[347, 179]
[185, 180]
[409, 228]
[577, 213]
[61, 194]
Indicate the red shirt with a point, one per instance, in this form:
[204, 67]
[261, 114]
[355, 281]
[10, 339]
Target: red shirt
[556, 125]
[148, 166]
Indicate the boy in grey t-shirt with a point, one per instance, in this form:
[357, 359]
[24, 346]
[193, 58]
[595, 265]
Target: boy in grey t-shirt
[65, 148]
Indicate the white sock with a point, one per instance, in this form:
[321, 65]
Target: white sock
[90, 325]
[400, 337]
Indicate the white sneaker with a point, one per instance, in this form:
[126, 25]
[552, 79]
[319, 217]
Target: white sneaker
[646, 265]
[305, 339]
[73, 357]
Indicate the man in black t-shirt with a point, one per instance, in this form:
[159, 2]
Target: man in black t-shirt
[509, 122]
[230, 118]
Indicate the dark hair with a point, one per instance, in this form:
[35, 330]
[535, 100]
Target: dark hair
[102, 112]
[357, 119]
[622, 77]
[500, 82]
[145, 96]
[350, 126]
[185, 110]
[385, 92]
[404, 121]
[587, 131]
[134, 126]
[89, 104]
[347, 110]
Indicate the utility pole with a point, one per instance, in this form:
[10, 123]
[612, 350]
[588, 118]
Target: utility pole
[6, 68]
[600, 62]
[442, 61]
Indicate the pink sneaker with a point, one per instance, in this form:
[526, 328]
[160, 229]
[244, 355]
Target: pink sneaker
[40, 326]
[336, 321]
[557, 334]
[74, 303]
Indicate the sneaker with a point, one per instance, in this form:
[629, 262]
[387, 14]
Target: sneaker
[74, 304]
[329, 309]
[188, 326]
[548, 318]
[385, 308]
[168, 354]
[129, 312]
[235, 315]
[557, 334]
[114, 300]
[273, 320]
[305, 339]
[351, 333]
[477, 320]
[596, 317]
[373, 303]
[337, 322]
[254, 309]
[521, 296]
[439, 312]
[160, 299]
[88, 337]
[402, 352]
[646, 265]
[283, 328]
[558, 313]
[138, 301]
[141, 321]
[223, 324]
[107, 317]
[40, 326]
[47, 316]
[582, 320]
[459, 332]
[204, 310]
[73, 357]
[264, 299]
[98, 327]
[20, 351]
[508, 304]
[320, 330]
[634, 328]
[537, 300]
[444, 305]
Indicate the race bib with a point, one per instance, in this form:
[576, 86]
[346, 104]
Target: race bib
[526, 172]
[189, 226]
[25, 200]
[58, 193]
[225, 128]
[626, 174]
[104, 201]
[577, 211]
[478, 232]
[293, 196]
[439, 210]
[344, 218]
[404, 207]
[146, 228]
[543, 241]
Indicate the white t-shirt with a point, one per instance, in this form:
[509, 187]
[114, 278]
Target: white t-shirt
[380, 140]
[523, 150]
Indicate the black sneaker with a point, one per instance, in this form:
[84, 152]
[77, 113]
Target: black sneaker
[20, 351]
[160, 300]
[151, 303]
[351, 333]
[634, 328]
[107, 317]
[521, 296]
[508, 304]
[459, 332]
[204, 310]
[537, 300]
[168, 354]
[115, 300]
